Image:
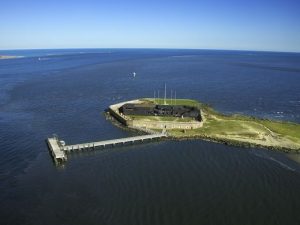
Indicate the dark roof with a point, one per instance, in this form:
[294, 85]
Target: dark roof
[132, 105]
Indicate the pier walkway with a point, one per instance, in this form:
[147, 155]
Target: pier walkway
[58, 148]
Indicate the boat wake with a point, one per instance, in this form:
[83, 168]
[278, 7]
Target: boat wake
[283, 165]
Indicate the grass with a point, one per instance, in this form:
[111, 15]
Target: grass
[284, 128]
[187, 102]
[232, 129]
[239, 128]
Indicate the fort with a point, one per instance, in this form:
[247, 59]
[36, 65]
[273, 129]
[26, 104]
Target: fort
[149, 114]
[181, 111]
[186, 118]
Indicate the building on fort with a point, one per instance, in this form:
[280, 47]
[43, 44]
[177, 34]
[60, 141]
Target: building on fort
[181, 111]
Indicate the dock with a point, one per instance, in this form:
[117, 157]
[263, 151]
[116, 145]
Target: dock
[59, 149]
[55, 147]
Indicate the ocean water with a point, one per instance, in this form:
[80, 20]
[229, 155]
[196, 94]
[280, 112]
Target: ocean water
[169, 182]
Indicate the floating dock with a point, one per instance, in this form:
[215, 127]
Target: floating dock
[59, 150]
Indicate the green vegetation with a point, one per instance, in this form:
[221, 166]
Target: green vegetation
[230, 129]
[187, 102]
[237, 129]
[290, 130]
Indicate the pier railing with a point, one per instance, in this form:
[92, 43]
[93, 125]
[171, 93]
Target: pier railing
[58, 148]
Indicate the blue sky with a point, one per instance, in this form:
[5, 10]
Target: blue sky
[268, 25]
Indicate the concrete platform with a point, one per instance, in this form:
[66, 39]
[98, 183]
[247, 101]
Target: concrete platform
[55, 148]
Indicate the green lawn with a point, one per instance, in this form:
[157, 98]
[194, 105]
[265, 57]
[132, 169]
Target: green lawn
[283, 128]
[237, 127]
[187, 102]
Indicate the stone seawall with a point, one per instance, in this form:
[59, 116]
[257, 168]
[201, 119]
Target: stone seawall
[117, 116]
[165, 124]
[114, 111]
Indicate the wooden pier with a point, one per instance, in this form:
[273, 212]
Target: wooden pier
[58, 148]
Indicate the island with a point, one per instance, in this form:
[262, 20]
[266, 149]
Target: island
[186, 118]
[9, 57]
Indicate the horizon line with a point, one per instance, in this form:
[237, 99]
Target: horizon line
[152, 48]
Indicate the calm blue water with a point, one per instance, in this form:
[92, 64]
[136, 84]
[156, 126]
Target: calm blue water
[170, 182]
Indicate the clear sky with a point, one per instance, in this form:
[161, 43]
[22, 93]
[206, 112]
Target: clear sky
[269, 25]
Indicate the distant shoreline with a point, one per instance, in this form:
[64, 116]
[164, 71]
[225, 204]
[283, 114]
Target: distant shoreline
[147, 48]
[9, 57]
